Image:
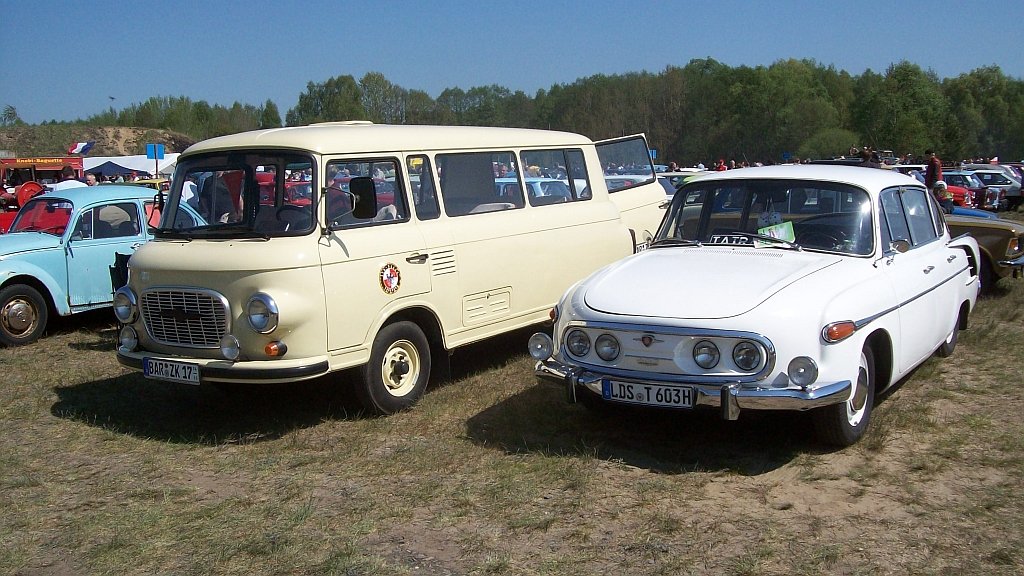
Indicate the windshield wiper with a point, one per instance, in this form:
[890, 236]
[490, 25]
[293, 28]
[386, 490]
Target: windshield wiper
[767, 238]
[669, 242]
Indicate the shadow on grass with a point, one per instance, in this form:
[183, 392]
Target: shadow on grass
[539, 420]
[133, 405]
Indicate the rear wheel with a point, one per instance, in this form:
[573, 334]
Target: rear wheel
[398, 370]
[843, 424]
[946, 348]
[23, 315]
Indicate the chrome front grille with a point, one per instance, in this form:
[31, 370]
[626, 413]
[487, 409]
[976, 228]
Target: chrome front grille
[185, 317]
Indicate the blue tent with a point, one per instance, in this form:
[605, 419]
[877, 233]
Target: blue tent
[110, 169]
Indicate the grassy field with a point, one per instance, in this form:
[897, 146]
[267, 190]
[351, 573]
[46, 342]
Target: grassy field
[104, 472]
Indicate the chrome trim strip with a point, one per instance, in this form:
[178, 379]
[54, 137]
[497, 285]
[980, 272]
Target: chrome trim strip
[858, 324]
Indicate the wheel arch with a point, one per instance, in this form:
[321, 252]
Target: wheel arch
[881, 347]
[39, 286]
[429, 323]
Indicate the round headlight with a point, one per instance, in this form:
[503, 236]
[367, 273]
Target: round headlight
[127, 339]
[578, 343]
[746, 356]
[607, 347]
[229, 347]
[802, 371]
[124, 305]
[261, 311]
[706, 354]
[540, 346]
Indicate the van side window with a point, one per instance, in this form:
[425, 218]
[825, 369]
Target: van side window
[421, 182]
[548, 178]
[470, 182]
[391, 203]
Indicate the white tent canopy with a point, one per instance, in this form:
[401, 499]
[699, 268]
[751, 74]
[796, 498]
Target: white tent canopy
[138, 163]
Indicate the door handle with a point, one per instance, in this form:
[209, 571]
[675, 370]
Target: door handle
[417, 258]
[929, 269]
[136, 245]
[951, 257]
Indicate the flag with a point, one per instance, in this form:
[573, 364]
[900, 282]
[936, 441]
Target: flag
[80, 147]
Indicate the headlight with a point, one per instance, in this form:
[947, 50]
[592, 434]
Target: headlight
[746, 356]
[125, 305]
[127, 339]
[578, 343]
[706, 354]
[229, 347]
[802, 371]
[607, 347]
[261, 311]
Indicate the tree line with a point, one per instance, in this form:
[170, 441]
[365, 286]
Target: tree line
[698, 112]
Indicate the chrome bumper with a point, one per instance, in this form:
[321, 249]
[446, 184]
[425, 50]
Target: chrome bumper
[730, 398]
[1016, 263]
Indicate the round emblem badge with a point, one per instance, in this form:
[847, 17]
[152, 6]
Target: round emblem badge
[390, 278]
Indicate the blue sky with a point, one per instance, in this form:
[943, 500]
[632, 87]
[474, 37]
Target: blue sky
[64, 60]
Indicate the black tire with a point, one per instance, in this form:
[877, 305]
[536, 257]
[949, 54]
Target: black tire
[399, 368]
[945, 349]
[988, 276]
[23, 315]
[844, 424]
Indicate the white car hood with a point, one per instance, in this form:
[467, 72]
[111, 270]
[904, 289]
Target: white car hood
[698, 282]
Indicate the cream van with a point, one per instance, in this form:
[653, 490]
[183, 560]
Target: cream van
[376, 247]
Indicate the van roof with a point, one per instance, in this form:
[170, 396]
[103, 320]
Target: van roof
[364, 138]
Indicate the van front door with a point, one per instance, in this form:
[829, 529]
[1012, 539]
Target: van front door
[368, 264]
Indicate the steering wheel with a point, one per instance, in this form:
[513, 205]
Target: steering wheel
[819, 239]
[294, 217]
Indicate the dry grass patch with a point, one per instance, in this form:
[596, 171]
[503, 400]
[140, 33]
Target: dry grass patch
[102, 472]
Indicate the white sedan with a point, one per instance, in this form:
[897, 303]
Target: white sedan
[776, 288]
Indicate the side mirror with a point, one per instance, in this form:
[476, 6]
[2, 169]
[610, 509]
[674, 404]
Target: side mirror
[900, 246]
[365, 196]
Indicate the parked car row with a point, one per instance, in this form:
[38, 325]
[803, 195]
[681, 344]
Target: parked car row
[805, 288]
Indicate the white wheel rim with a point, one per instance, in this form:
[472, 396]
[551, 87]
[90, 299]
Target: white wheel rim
[859, 394]
[400, 368]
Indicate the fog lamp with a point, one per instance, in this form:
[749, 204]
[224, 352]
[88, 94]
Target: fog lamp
[127, 339]
[229, 347]
[802, 371]
[540, 346]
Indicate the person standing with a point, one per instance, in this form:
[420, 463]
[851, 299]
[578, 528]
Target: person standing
[91, 179]
[67, 179]
[933, 169]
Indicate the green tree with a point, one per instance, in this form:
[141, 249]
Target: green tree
[9, 117]
[269, 116]
[338, 98]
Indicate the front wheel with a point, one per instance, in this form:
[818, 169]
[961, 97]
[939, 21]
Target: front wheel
[398, 370]
[23, 315]
[843, 424]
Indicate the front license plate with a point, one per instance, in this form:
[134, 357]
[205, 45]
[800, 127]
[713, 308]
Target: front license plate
[171, 371]
[647, 394]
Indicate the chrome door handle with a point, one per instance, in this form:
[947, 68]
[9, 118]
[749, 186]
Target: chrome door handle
[929, 269]
[417, 258]
[951, 257]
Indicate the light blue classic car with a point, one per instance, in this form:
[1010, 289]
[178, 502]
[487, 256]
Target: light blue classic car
[57, 257]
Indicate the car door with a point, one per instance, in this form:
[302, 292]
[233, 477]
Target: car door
[100, 231]
[919, 275]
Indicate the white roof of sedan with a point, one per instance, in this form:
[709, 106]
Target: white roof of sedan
[868, 178]
[365, 137]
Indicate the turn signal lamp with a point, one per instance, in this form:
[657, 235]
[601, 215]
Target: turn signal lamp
[838, 331]
[275, 349]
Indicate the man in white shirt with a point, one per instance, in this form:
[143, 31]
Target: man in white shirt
[67, 180]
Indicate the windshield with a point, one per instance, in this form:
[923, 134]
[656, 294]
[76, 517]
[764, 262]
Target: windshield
[44, 214]
[241, 194]
[813, 215]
